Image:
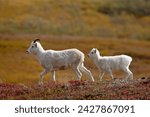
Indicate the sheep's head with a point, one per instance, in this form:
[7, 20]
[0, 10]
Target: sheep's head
[93, 53]
[33, 46]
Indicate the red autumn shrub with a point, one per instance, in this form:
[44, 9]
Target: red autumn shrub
[116, 89]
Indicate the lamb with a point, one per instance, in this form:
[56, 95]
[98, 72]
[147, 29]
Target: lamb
[111, 63]
[52, 60]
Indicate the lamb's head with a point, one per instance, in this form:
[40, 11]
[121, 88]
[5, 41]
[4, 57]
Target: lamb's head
[94, 53]
[34, 46]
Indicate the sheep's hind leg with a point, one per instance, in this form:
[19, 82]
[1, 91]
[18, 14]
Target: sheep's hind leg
[42, 76]
[78, 73]
[86, 71]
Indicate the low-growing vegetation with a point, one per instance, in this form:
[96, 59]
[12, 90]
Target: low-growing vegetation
[79, 90]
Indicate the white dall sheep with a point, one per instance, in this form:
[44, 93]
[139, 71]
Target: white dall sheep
[53, 60]
[111, 63]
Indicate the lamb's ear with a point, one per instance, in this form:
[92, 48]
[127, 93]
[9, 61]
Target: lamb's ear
[95, 50]
[36, 40]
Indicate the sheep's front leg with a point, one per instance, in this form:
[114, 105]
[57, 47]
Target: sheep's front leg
[101, 75]
[53, 75]
[42, 75]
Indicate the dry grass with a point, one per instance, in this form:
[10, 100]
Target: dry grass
[79, 17]
[18, 67]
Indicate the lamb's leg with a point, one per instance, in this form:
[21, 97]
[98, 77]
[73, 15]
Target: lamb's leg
[78, 73]
[42, 75]
[101, 75]
[53, 75]
[129, 73]
[86, 71]
[111, 75]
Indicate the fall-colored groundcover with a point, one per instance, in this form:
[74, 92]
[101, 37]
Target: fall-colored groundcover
[138, 89]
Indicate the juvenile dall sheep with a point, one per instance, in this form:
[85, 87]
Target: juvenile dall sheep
[53, 60]
[111, 63]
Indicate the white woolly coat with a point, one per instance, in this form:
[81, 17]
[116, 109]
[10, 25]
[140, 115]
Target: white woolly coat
[113, 63]
[58, 60]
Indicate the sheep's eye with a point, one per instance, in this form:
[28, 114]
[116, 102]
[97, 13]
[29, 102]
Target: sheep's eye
[32, 46]
[91, 52]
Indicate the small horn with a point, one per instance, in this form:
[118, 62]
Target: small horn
[36, 40]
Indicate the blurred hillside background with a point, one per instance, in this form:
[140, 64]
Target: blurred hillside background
[113, 26]
[100, 18]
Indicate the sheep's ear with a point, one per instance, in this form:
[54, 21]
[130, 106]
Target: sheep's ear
[35, 44]
[36, 40]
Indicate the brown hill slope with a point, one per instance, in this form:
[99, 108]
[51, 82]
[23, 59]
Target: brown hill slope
[103, 18]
